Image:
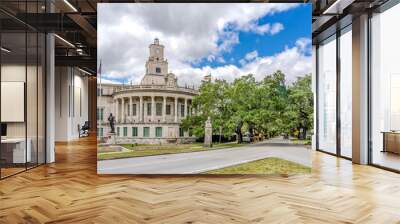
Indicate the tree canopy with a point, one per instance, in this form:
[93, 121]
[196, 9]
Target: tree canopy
[272, 106]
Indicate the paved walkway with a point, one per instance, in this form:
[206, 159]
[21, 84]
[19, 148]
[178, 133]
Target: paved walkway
[198, 162]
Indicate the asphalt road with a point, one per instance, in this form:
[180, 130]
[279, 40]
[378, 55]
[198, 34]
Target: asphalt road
[198, 162]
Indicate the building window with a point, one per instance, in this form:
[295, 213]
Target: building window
[117, 131]
[158, 132]
[125, 131]
[100, 112]
[158, 70]
[168, 110]
[158, 109]
[182, 110]
[146, 131]
[134, 132]
[129, 110]
[181, 132]
[100, 132]
[99, 92]
[134, 109]
[148, 109]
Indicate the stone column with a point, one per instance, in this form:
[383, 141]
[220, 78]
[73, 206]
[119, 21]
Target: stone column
[137, 108]
[208, 133]
[176, 109]
[130, 109]
[122, 110]
[360, 90]
[164, 108]
[153, 112]
[141, 108]
[116, 110]
[50, 93]
[189, 110]
[185, 111]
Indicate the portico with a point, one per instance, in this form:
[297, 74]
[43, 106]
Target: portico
[151, 108]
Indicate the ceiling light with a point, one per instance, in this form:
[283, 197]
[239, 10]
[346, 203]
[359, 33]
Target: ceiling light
[65, 41]
[338, 6]
[70, 5]
[86, 72]
[5, 50]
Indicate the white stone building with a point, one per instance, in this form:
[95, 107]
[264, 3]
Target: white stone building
[148, 113]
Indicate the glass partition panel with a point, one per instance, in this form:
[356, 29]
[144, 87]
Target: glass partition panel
[327, 95]
[41, 98]
[22, 88]
[31, 97]
[14, 153]
[385, 89]
[346, 92]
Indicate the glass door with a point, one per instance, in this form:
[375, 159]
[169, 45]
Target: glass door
[385, 89]
[346, 72]
[327, 95]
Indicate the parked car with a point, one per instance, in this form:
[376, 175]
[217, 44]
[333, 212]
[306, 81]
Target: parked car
[247, 138]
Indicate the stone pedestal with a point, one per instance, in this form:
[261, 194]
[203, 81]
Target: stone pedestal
[208, 133]
[111, 139]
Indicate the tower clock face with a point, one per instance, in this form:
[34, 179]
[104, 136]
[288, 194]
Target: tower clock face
[157, 51]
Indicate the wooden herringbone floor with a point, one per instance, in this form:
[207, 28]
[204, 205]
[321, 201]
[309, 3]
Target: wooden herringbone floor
[70, 191]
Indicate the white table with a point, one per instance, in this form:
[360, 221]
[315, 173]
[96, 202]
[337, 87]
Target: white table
[19, 155]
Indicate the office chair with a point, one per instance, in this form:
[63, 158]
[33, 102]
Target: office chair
[84, 130]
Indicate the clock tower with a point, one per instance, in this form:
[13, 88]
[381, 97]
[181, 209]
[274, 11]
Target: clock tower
[157, 68]
[156, 64]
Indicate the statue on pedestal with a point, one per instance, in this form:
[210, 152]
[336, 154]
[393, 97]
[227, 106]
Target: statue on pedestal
[208, 133]
[111, 120]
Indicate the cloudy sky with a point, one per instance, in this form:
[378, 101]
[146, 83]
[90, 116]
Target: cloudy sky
[224, 40]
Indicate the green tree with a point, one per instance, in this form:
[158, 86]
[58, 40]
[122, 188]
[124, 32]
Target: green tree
[299, 110]
[213, 101]
[273, 103]
[270, 105]
[243, 100]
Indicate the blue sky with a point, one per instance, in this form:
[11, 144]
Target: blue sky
[225, 40]
[294, 28]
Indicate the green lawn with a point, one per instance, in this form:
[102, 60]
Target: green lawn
[301, 141]
[264, 166]
[148, 150]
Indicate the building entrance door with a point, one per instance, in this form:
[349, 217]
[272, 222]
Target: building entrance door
[171, 132]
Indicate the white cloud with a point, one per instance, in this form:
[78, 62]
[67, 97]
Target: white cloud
[210, 58]
[107, 81]
[276, 28]
[263, 29]
[190, 33]
[251, 55]
[221, 60]
[304, 44]
[293, 62]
